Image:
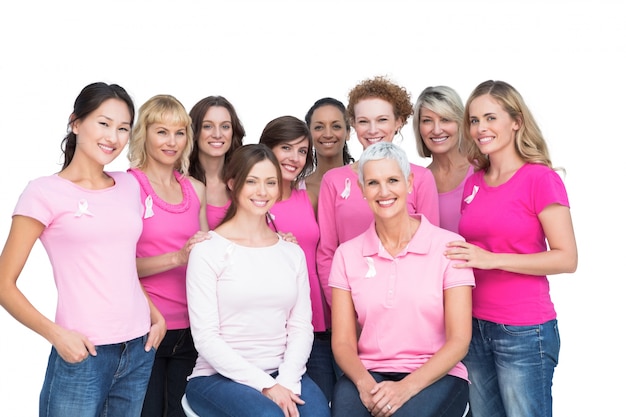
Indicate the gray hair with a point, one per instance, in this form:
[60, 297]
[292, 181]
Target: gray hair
[385, 150]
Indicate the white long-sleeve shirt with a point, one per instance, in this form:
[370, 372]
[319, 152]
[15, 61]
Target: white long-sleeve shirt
[250, 312]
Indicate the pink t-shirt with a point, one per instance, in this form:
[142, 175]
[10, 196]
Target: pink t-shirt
[399, 301]
[250, 312]
[343, 213]
[215, 214]
[296, 215]
[505, 219]
[90, 237]
[166, 228]
[450, 205]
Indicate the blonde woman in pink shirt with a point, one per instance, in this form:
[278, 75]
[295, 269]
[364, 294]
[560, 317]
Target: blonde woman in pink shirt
[518, 230]
[174, 220]
[401, 314]
[377, 110]
[437, 125]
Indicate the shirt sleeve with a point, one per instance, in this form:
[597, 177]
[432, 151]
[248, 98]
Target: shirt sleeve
[299, 334]
[549, 189]
[338, 277]
[425, 194]
[329, 240]
[33, 203]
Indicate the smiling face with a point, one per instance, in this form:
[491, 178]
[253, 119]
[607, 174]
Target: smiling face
[216, 135]
[103, 133]
[329, 131]
[491, 127]
[441, 135]
[260, 190]
[291, 157]
[165, 142]
[385, 187]
[374, 121]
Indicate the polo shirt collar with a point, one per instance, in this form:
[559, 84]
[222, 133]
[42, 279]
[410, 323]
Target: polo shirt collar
[419, 244]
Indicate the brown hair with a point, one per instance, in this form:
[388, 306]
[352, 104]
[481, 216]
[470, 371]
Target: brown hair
[241, 163]
[285, 129]
[529, 142]
[197, 113]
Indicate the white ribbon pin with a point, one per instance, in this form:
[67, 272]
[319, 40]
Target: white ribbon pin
[346, 190]
[148, 212]
[83, 208]
[469, 198]
[371, 270]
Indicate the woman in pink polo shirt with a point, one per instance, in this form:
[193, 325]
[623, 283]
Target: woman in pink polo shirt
[377, 110]
[401, 314]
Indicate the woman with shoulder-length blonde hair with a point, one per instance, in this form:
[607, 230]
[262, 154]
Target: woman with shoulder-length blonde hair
[516, 221]
[437, 124]
[174, 220]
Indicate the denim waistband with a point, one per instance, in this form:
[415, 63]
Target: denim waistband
[322, 335]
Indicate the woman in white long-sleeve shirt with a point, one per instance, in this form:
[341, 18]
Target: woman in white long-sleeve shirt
[249, 306]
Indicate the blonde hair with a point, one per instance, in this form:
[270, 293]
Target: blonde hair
[447, 103]
[158, 109]
[530, 144]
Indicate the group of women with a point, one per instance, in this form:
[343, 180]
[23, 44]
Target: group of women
[284, 278]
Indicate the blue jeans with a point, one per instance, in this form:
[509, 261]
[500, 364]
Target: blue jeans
[112, 383]
[321, 366]
[446, 397]
[218, 396]
[511, 368]
[175, 359]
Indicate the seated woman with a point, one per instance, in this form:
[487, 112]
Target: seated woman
[249, 306]
[401, 315]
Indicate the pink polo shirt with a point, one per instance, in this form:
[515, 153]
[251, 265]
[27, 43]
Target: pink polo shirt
[342, 212]
[399, 301]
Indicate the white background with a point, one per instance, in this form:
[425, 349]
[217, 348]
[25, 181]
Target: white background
[275, 58]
